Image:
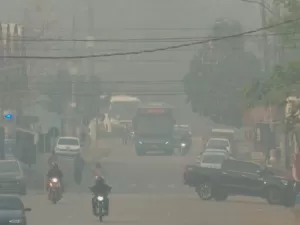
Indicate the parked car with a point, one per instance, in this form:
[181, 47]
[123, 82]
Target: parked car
[12, 210]
[12, 180]
[241, 178]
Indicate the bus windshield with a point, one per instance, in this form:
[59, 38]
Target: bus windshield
[154, 124]
[123, 110]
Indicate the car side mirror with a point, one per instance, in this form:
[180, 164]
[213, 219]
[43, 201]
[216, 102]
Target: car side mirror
[27, 210]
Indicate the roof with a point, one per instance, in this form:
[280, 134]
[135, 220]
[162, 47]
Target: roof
[124, 98]
[214, 150]
[76, 138]
[214, 153]
[223, 131]
[218, 139]
[156, 105]
[8, 160]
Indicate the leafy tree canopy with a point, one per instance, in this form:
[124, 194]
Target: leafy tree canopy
[217, 77]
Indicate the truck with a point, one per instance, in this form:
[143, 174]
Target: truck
[236, 177]
[153, 128]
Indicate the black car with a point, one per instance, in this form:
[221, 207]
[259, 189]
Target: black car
[12, 211]
[241, 178]
[12, 179]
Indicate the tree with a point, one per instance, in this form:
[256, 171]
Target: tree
[285, 78]
[218, 75]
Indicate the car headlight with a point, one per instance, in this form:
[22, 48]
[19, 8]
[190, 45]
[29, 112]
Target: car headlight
[183, 144]
[166, 142]
[284, 182]
[140, 142]
[16, 221]
[100, 198]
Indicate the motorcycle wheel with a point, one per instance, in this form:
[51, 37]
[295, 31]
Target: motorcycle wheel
[100, 215]
[53, 197]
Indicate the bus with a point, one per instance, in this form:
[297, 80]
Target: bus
[122, 109]
[153, 127]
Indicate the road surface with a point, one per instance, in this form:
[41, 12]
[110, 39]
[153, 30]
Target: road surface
[148, 190]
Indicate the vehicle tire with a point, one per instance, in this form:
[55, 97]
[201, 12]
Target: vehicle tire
[273, 196]
[169, 152]
[204, 191]
[220, 195]
[100, 214]
[140, 152]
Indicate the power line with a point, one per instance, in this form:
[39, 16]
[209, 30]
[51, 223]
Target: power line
[155, 49]
[137, 40]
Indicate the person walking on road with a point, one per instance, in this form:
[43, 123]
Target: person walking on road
[52, 159]
[78, 168]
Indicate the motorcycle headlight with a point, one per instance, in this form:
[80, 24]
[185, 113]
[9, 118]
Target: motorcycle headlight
[183, 144]
[100, 198]
[284, 182]
[54, 180]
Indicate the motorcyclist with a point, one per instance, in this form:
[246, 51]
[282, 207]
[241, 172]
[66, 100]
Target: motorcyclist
[78, 168]
[55, 172]
[103, 189]
[97, 171]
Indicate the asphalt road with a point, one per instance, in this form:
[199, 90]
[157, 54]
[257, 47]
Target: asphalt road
[149, 190]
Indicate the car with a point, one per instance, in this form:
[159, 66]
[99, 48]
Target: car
[68, 146]
[218, 143]
[213, 159]
[12, 210]
[12, 180]
[243, 178]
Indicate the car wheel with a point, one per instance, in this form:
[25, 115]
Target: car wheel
[273, 196]
[169, 152]
[204, 191]
[140, 152]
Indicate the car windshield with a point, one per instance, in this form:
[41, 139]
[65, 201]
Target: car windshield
[213, 158]
[217, 143]
[68, 141]
[10, 203]
[9, 167]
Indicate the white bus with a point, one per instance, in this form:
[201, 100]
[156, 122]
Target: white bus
[122, 110]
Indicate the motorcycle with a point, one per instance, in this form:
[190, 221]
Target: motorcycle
[54, 191]
[100, 208]
[183, 148]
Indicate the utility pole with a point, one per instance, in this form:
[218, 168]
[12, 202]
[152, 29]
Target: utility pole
[265, 37]
[91, 65]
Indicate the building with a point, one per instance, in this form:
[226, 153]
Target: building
[13, 71]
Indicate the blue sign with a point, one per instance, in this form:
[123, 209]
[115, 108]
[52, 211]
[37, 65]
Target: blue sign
[8, 116]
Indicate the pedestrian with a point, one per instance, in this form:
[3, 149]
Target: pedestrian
[78, 168]
[52, 159]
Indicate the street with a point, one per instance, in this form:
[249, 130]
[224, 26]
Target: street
[149, 190]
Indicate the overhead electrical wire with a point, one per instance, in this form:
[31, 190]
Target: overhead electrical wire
[137, 40]
[156, 49]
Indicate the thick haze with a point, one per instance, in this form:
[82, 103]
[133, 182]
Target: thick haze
[131, 19]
